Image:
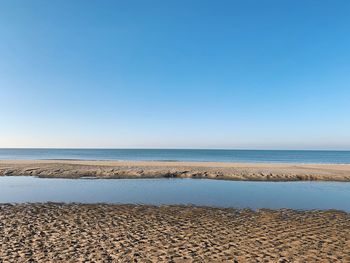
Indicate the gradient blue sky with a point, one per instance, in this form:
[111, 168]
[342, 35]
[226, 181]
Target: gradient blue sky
[175, 74]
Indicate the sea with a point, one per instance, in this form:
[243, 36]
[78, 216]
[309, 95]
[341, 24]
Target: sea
[177, 155]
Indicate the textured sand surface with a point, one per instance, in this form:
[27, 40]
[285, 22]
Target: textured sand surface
[129, 169]
[128, 233]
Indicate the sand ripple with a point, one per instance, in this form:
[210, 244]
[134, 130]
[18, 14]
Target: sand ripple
[129, 233]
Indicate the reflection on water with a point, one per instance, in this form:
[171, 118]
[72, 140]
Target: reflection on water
[296, 195]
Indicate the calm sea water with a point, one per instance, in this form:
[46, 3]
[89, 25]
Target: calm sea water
[279, 156]
[274, 195]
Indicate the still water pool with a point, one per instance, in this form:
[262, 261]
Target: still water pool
[295, 195]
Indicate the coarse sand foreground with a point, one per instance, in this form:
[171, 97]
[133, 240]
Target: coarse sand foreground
[150, 169]
[54, 232]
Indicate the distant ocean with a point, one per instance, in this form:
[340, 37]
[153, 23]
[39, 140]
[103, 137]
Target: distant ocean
[256, 156]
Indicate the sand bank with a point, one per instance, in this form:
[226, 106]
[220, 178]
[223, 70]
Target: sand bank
[213, 170]
[129, 233]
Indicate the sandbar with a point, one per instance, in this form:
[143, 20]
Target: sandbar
[159, 169]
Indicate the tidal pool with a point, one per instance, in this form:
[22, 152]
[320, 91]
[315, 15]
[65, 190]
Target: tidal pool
[238, 194]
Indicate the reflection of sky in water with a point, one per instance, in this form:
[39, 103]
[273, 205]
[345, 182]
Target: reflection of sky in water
[296, 195]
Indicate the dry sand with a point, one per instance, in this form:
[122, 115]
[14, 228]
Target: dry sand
[214, 170]
[129, 233]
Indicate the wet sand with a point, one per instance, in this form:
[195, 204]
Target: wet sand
[150, 169]
[129, 233]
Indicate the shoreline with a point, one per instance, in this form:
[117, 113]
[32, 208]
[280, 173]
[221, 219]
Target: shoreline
[142, 233]
[170, 169]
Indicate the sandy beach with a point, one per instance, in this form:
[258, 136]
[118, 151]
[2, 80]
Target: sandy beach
[129, 233]
[150, 169]
[57, 232]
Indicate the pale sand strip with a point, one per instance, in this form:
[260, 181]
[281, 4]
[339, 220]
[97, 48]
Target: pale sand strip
[150, 169]
[129, 233]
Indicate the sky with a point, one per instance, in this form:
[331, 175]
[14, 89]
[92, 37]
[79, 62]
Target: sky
[175, 74]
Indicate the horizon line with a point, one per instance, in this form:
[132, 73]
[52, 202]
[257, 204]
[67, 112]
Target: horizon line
[148, 148]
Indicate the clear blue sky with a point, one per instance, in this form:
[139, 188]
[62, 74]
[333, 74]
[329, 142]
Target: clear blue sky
[175, 74]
